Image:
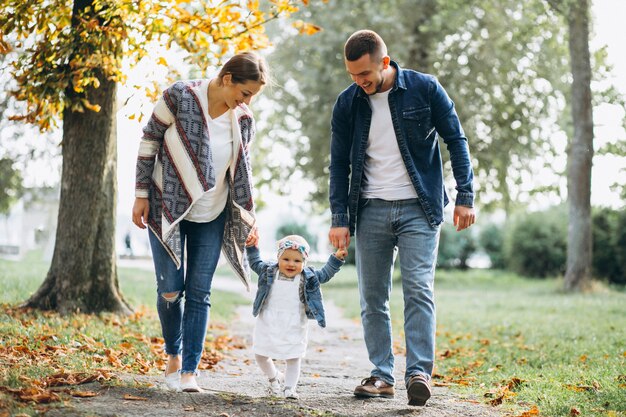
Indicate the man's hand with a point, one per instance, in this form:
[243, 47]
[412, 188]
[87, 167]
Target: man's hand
[339, 237]
[464, 217]
[141, 208]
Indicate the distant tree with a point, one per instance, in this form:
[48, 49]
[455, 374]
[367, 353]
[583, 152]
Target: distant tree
[502, 62]
[10, 184]
[67, 60]
[580, 151]
[10, 177]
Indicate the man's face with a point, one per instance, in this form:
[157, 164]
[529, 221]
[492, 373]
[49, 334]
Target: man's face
[367, 73]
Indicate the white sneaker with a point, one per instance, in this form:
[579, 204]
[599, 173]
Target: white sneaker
[172, 381]
[190, 385]
[276, 384]
[290, 393]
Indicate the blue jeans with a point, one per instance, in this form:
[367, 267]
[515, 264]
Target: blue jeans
[384, 228]
[185, 326]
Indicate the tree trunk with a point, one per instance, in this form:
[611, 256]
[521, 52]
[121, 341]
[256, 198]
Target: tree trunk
[579, 240]
[83, 273]
[420, 44]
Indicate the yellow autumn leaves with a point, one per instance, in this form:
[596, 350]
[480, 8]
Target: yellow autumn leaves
[58, 50]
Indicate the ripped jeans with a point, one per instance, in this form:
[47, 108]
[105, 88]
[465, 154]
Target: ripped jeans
[184, 324]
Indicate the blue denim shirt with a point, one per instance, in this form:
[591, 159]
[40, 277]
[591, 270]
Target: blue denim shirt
[420, 111]
[312, 279]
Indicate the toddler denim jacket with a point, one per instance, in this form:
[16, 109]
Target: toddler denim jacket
[312, 294]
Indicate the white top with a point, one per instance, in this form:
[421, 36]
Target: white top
[281, 329]
[212, 203]
[385, 175]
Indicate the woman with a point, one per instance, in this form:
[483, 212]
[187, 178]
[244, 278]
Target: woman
[196, 196]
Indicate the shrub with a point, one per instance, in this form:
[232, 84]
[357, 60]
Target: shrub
[491, 239]
[619, 239]
[293, 228]
[537, 243]
[455, 248]
[607, 259]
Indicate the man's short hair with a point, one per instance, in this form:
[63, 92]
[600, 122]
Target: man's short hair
[364, 42]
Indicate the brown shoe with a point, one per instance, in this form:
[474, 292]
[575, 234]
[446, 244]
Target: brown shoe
[374, 387]
[418, 390]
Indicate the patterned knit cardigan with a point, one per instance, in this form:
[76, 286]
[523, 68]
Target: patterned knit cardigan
[177, 134]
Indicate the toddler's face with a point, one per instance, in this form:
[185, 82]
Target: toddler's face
[290, 263]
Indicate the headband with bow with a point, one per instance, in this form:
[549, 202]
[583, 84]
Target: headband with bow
[290, 244]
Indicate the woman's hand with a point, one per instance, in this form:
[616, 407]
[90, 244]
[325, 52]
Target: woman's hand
[141, 208]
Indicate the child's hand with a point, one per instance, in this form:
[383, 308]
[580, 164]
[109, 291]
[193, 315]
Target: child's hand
[253, 237]
[341, 253]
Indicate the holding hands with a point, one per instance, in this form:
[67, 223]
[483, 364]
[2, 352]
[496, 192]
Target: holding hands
[253, 237]
[341, 253]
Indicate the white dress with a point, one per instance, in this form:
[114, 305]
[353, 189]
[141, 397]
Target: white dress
[281, 328]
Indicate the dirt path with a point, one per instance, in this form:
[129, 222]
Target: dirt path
[335, 363]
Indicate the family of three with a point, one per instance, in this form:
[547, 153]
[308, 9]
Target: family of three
[194, 194]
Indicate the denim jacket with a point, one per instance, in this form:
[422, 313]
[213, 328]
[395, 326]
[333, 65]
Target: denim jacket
[420, 111]
[314, 305]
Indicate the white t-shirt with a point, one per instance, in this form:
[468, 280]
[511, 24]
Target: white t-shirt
[212, 203]
[385, 175]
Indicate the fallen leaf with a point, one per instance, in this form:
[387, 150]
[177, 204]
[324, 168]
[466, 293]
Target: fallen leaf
[534, 411]
[134, 398]
[83, 394]
[574, 412]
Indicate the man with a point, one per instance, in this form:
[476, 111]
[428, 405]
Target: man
[386, 188]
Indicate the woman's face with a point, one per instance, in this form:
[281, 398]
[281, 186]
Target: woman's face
[236, 94]
[290, 263]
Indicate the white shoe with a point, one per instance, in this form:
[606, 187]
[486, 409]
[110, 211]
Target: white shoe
[172, 381]
[290, 393]
[190, 385]
[276, 384]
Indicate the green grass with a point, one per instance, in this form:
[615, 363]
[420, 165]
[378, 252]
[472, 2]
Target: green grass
[520, 341]
[504, 338]
[36, 345]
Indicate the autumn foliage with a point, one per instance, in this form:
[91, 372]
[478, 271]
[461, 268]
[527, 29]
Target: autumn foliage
[52, 47]
[55, 356]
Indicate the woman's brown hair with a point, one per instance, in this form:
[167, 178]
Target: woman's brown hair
[246, 66]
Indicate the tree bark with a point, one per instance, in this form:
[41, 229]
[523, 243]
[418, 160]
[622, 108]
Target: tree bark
[83, 272]
[579, 240]
[420, 45]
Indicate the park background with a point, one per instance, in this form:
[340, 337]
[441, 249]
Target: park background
[521, 188]
[39, 158]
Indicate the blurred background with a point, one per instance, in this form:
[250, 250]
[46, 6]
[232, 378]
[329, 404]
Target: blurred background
[506, 66]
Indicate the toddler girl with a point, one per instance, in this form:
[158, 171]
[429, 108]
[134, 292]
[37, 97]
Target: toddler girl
[288, 293]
